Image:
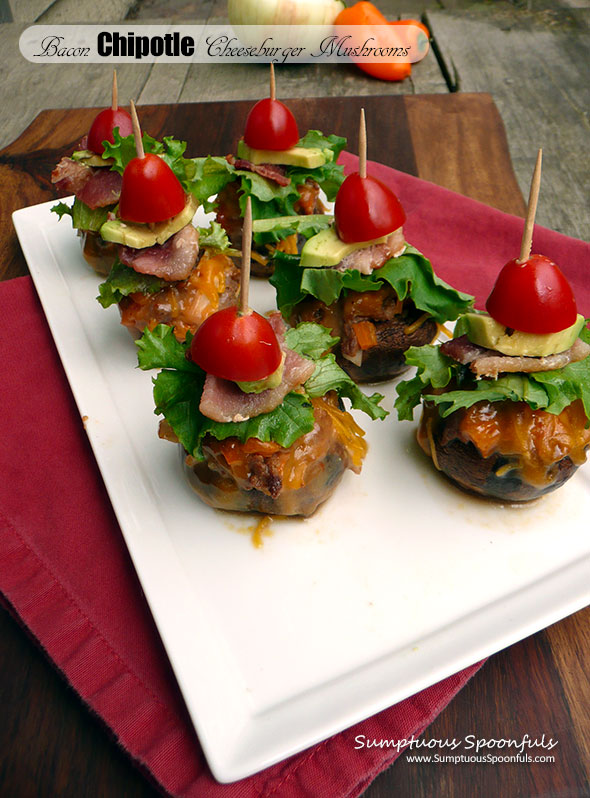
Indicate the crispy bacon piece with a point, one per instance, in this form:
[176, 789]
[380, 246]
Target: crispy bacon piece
[370, 258]
[103, 189]
[171, 261]
[309, 199]
[462, 350]
[222, 400]
[270, 171]
[489, 363]
[70, 176]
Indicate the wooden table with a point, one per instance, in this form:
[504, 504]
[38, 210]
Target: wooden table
[51, 746]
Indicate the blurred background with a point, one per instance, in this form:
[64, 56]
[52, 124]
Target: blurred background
[531, 55]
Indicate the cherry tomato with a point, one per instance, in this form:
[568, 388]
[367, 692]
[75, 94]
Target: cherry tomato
[533, 297]
[150, 191]
[236, 347]
[366, 208]
[103, 126]
[271, 126]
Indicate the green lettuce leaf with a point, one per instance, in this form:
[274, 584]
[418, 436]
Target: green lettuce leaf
[328, 376]
[434, 369]
[551, 391]
[284, 425]
[177, 394]
[61, 209]
[316, 140]
[273, 229]
[209, 175]
[286, 281]
[410, 275]
[214, 237]
[310, 340]
[169, 149]
[122, 281]
[514, 387]
[160, 350]
[314, 341]
[83, 217]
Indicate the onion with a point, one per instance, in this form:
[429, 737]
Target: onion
[283, 12]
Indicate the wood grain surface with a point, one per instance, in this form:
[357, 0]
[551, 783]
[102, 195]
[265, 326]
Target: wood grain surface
[51, 746]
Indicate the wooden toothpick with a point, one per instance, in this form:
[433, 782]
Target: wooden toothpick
[115, 102]
[527, 236]
[273, 90]
[244, 309]
[137, 132]
[362, 145]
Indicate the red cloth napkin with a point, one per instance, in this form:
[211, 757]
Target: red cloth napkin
[66, 573]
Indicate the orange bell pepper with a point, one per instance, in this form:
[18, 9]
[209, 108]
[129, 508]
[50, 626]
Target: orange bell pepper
[365, 13]
[415, 22]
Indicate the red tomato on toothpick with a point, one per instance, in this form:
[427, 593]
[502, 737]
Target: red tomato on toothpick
[150, 191]
[270, 124]
[106, 121]
[531, 294]
[365, 208]
[236, 347]
[237, 343]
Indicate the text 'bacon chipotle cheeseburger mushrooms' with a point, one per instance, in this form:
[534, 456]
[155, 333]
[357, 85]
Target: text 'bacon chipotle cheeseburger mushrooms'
[166, 270]
[281, 172]
[256, 408]
[89, 175]
[362, 280]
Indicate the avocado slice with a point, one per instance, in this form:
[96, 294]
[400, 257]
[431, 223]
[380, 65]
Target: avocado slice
[326, 249]
[89, 158]
[139, 236]
[481, 329]
[306, 157]
[272, 381]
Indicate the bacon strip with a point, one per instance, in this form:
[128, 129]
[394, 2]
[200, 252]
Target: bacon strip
[269, 170]
[171, 261]
[223, 401]
[489, 363]
[103, 189]
[70, 176]
[370, 258]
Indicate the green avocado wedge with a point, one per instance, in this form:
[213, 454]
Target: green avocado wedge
[483, 330]
[305, 157]
[327, 249]
[139, 236]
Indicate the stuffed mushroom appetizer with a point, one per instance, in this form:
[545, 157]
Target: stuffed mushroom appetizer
[90, 176]
[280, 171]
[506, 402]
[166, 271]
[362, 280]
[262, 426]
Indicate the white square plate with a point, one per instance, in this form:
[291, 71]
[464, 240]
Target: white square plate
[396, 582]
